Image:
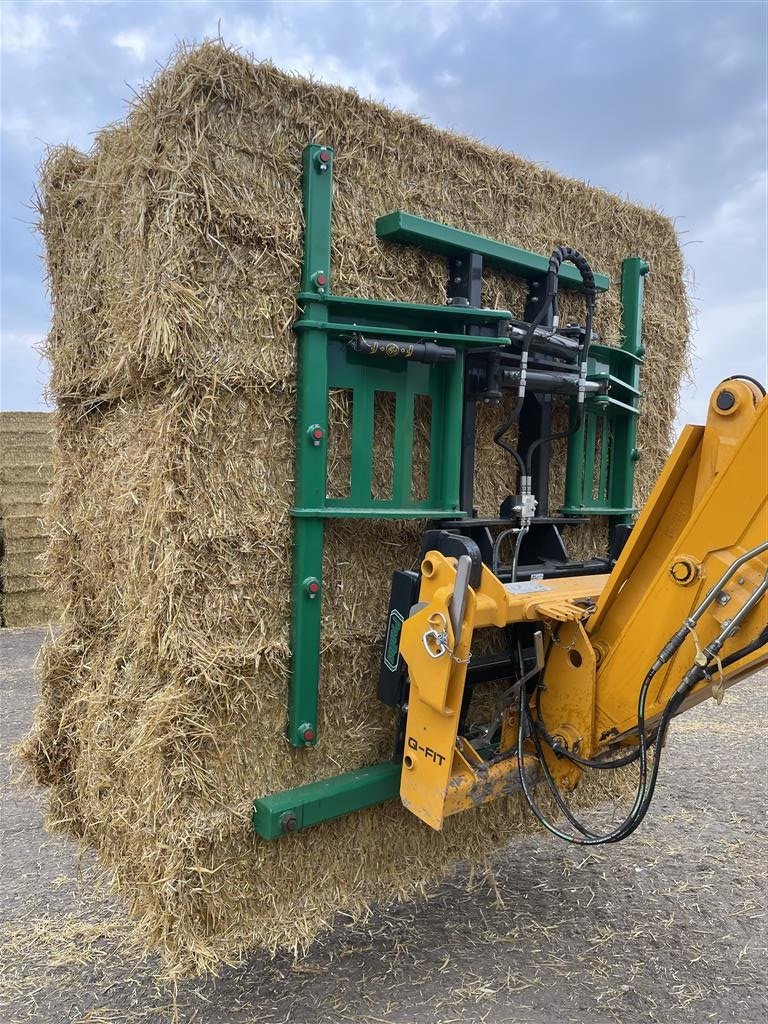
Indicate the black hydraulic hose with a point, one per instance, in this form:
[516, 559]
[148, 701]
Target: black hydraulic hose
[506, 426]
[504, 755]
[590, 290]
[584, 762]
[496, 550]
[752, 380]
[647, 781]
[516, 555]
[550, 297]
[694, 676]
[555, 792]
[592, 839]
[561, 255]
[760, 641]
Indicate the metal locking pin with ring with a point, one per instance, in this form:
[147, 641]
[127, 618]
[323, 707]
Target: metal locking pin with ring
[435, 640]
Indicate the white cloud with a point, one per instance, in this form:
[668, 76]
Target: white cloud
[622, 13]
[730, 337]
[20, 341]
[274, 39]
[731, 331]
[40, 125]
[23, 371]
[23, 32]
[740, 218]
[134, 41]
[447, 78]
[441, 15]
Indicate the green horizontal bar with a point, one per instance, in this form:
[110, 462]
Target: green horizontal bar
[322, 801]
[607, 353]
[350, 305]
[376, 512]
[616, 381]
[468, 340]
[595, 510]
[408, 229]
[605, 402]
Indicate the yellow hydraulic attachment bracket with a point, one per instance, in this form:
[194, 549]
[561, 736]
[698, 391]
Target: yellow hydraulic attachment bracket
[442, 772]
[695, 566]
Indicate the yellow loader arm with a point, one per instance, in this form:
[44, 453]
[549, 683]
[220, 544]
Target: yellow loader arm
[682, 615]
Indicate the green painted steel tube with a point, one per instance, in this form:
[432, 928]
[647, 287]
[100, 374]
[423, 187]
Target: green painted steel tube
[633, 271]
[453, 406]
[465, 340]
[574, 470]
[340, 508]
[402, 475]
[311, 453]
[295, 809]
[361, 468]
[408, 229]
[425, 314]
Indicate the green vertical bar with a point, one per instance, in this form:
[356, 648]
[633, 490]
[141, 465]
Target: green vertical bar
[361, 472]
[589, 458]
[574, 469]
[403, 445]
[311, 459]
[452, 423]
[633, 271]
[606, 450]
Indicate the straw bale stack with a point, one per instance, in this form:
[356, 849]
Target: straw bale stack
[174, 251]
[26, 462]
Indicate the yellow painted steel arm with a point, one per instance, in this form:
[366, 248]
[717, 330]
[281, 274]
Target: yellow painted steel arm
[709, 507]
[708, 511]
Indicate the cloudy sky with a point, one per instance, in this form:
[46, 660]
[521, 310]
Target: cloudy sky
[666, 103]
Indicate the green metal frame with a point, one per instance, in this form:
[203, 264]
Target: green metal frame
[326, 361]
[295, 809]
[410, 230]
[603, 483]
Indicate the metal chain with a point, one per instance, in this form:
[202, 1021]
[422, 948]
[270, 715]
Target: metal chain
[554, 637]
[436, 643]
[556, 641]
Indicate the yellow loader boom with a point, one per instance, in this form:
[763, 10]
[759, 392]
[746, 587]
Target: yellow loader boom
[681, 616]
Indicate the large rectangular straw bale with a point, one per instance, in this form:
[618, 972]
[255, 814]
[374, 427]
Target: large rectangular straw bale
[28, 608]
[26, 465]
[174, 251]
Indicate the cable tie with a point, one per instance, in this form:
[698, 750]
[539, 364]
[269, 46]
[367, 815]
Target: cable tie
[701, 659]
[718, 688]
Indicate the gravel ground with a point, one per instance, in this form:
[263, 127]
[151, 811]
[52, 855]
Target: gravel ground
[669, 926]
